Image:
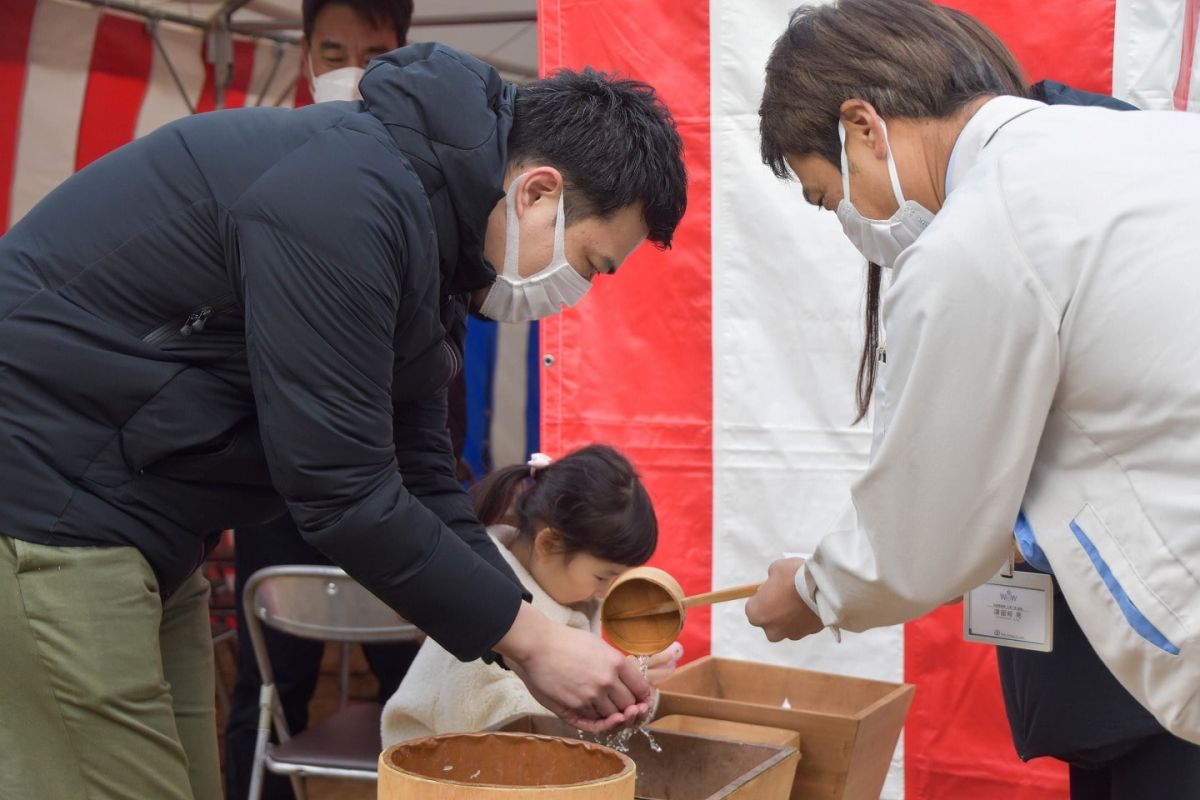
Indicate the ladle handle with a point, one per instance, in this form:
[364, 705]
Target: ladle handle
[721, 595]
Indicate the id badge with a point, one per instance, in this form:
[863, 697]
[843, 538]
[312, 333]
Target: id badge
[1013, 609]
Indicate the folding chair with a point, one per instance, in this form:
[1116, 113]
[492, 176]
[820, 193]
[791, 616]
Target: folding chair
[325, 604]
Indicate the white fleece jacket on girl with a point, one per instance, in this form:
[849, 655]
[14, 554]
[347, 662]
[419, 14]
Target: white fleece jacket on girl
[441, 694]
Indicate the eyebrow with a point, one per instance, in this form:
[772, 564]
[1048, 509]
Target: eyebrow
[331, 45]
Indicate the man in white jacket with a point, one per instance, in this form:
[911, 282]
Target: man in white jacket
[1043, 342]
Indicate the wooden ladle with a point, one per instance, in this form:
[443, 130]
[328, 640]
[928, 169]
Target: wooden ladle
[644, 610]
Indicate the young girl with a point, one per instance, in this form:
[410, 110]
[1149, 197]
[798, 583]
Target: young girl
[568, 529]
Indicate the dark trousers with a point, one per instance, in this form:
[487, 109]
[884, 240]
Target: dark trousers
[1162, 767]
[1067, 704]
[296, 662]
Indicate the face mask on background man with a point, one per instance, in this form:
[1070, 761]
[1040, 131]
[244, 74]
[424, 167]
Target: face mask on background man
[881, 240]
[337, 84]
[513, 298]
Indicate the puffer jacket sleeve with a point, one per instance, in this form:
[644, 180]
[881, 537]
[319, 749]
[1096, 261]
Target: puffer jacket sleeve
[427, 466]
[322, 251]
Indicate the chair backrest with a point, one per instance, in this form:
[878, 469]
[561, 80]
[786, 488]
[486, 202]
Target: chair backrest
[317, 602]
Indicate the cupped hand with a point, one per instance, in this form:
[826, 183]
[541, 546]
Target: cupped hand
[574, 673]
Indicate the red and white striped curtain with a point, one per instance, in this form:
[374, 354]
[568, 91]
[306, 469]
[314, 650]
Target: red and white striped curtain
[77, 82]
[725, 368]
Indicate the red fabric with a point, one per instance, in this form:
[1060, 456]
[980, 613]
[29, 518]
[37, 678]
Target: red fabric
[632, 363]
[235, 92]
[957, 742]
[956, 739]
[117, 80]
[1069, 41]
[16, 20]
[1187, 55]
[303, 95]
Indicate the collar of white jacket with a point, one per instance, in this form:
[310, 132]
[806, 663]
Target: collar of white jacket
[979, 130]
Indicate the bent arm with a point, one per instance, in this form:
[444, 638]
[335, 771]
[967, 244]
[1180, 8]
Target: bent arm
[322, 257]
[972, 368]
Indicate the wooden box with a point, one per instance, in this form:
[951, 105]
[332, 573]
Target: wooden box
[690, 767]
[724, 729]
[848, 726]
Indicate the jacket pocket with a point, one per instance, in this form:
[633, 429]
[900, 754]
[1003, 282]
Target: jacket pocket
[236, 457]
[1146, 614]
[196, 418]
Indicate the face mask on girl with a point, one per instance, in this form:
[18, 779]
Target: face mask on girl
[880, 240]
[337, 84]
[513, 298]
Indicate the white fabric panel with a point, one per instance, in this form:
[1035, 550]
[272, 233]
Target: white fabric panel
[509, 395]
[282, 92]
[260, 91]
[1147, 44]
[163, 101]
[60, 50]
[787, 308]
[510, 47]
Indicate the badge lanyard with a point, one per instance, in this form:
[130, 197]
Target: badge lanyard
[1013, 609]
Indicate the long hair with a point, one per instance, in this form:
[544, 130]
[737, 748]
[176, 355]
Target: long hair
[908, 58]
[592, 499]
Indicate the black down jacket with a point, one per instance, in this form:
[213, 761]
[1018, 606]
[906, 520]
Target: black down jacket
[266, 302]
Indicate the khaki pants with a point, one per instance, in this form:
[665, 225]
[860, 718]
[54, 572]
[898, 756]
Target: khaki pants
[105, 692]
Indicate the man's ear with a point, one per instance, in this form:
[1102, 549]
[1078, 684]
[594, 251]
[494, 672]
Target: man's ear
[542, 185]
[862, 122]
[547, 543]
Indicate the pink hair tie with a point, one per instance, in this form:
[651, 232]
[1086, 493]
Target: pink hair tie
[538, 461]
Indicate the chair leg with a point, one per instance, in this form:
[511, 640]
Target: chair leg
[266, 710]
[266, 699]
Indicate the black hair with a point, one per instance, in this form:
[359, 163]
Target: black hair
[613, 140]
[394, 14]
[908, 58]
[592, 499]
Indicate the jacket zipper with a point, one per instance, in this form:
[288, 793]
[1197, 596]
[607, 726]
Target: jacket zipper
[197, 318]
[455, 360]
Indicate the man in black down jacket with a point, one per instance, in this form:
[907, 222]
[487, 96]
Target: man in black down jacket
[264, 302]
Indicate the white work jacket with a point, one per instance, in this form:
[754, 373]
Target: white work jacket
[1043, 363]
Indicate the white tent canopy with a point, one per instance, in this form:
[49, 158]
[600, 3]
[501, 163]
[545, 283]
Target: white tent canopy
[501, 32]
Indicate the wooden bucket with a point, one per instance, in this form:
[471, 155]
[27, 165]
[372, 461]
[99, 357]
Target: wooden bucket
[690, 767]
[512, 766]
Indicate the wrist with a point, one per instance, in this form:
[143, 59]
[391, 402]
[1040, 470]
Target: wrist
[518, 644]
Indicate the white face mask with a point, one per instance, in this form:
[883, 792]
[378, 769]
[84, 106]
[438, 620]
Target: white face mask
[337, 84]
[543, 294]
[881, 240]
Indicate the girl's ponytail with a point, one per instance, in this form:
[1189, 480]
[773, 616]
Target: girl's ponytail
[494, 496]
